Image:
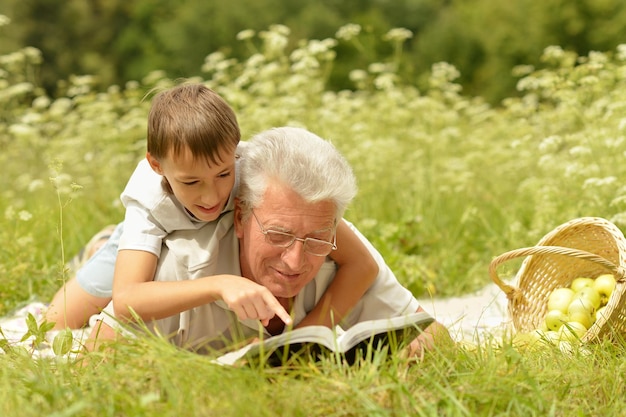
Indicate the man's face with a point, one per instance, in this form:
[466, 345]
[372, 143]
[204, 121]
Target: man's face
[284, 271]
[202, 188]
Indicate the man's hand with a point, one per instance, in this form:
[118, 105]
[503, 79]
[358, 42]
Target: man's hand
[435, 335]
[250, 300]
[419, 345]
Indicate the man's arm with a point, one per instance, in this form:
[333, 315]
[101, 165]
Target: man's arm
[356, 272]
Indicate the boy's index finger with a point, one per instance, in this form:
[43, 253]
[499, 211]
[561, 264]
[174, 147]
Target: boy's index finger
[284, 316]
[279, 310]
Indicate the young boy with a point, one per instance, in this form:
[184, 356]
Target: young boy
[189, 178]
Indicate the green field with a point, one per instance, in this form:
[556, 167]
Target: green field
[446, 183]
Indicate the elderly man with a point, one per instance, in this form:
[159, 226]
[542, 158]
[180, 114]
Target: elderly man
[294, 188]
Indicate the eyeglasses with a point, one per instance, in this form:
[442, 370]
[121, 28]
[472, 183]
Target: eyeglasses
[311, 246]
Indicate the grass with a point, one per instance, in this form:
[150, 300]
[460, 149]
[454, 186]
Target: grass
[447, 182]
[149, 377]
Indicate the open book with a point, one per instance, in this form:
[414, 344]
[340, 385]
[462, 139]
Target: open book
[315, 341]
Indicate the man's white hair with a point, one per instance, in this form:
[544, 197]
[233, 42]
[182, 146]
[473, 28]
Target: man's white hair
[309, 165]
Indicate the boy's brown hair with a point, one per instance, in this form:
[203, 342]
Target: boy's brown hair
[192, 116]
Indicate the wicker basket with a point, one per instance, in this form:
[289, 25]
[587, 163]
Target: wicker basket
[587, 246]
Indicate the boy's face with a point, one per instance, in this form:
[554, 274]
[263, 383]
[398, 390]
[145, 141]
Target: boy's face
[202, 188]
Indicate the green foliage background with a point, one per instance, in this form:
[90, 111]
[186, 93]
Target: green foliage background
[446, 181]
[122, 40]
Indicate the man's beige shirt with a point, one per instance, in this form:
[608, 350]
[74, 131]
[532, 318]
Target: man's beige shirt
[213, 250]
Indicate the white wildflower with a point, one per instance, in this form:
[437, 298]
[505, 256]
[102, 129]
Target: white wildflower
[553, 52]
[274, 42]
[82, 80]
[316, 47]
[621, 52]
[132, 85]
[580, 151]
[280, 29]
[4, 20]
[522, 70]
[18, 89]
[618, 201]
[348, 31]
[445, 70]
[33, 54]
[41, 102]
[61, 181]
[398, 35]
[25, 241]
[215, 57]
[31, 118]
[21, 130]
[35, 185]
[255, 60]
[573, 170]
[550, 144]
[358, 75]
[9, 213]
[246, 34]
[60, 106]
[24, 215]
[598, 57]
[589, 80]
[377, 68]
[385, 81]
[306, 63]
[599, 182]
[527, 84]
[11, 59]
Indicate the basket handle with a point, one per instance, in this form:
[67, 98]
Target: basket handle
[511, 291]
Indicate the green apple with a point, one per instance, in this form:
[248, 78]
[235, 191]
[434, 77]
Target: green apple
[604, 285]
[582, 317]
[543, 337]
[526, 340]
[560, 299]
[551, 337]
[602, 313]
[591, 294]
[579, 304]
[555, 319]
[581, 282]
[572, 331]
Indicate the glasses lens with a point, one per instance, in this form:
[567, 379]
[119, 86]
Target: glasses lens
[318, 247]
[279, 238]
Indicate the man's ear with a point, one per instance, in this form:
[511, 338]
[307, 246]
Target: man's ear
[154, 163]
[238, 219]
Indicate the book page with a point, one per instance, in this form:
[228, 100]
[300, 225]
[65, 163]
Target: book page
[366, 329]
[333, 340]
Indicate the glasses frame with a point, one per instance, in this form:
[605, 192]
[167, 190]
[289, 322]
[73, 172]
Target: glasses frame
[266, 232]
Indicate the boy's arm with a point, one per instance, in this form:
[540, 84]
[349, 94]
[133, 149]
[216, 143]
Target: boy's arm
[134, 289]
[357, 270]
